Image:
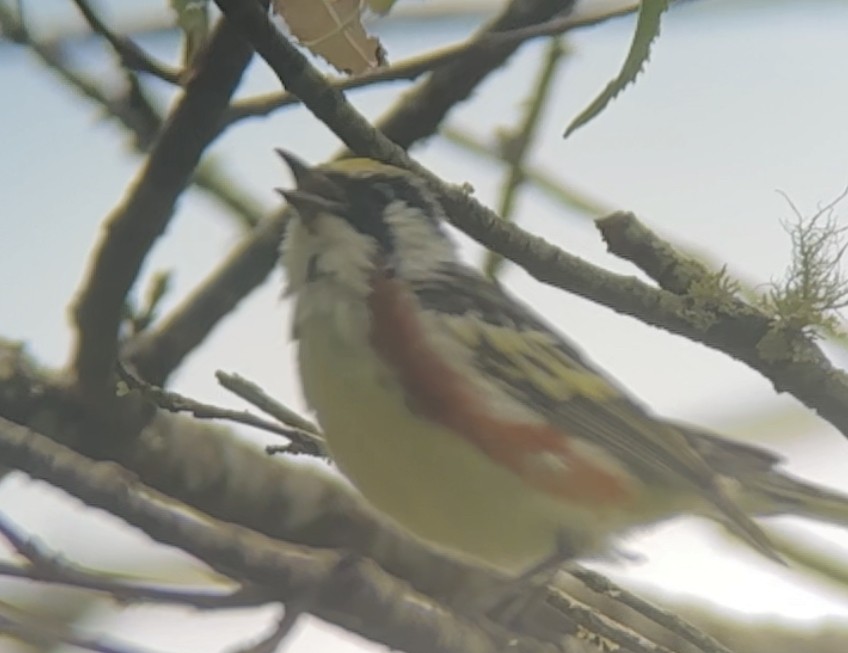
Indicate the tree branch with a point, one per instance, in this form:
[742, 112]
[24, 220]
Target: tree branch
[130, 54]
[414, 67]
[737, 331]
[725, 322]
[422, 110]
[210, 470]
[160, 350]
[48, 567]
[301, 441]
[671, 622]
[140, 219]
[516, 144]
[353, 593]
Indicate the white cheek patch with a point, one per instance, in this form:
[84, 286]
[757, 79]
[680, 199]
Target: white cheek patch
[328, 247]
[419, 244]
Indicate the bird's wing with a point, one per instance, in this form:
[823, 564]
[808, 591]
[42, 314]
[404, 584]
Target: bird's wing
[541, 369]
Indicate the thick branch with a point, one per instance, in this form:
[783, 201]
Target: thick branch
[141, 218]
[354, 594]
[210, 470]
[726, 322]
[422, 111]
[806, 372]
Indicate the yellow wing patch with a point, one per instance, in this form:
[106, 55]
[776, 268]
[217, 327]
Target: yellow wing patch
[531, 357]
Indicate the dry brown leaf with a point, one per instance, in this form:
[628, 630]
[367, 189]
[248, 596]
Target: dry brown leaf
[333, 29]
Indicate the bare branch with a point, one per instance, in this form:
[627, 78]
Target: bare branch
[134, 112]
[157, 353]
[136, 118]
[255, 395]
[602, 631]
[354, 593]
[41, 634]
[718, 319]
[131, 55]
[300, 441]
[414, 67]
[272, 641]
[422, 110]
[142, 216]
[48, 567]
[516, 144]
[671, 622]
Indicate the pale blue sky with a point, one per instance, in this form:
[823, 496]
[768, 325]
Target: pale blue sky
[739, 100]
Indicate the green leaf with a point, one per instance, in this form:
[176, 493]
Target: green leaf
[647, 30]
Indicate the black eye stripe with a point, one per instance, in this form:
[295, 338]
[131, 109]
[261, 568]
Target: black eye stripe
[398, 188]
[369, 197]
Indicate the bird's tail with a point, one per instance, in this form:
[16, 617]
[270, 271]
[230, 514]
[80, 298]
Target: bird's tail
[777, 493]
[752, 479]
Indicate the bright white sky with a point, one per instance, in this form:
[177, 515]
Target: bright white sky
[740, 99]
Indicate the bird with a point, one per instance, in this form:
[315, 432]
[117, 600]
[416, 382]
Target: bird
[467, 420]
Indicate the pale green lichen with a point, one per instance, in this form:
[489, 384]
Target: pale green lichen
[709, 294]
[815, 287]
[714, 291]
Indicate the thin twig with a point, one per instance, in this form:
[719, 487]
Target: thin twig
[126, 592]
[131, 55]
[424, 108]
[253, 394]
[516, 144]
[602, 631]
[300, 441]
[671, 622]
[272, 641]
[39, 633]
[134, 112]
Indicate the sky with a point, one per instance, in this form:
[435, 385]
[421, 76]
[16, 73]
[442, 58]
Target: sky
[741, 103]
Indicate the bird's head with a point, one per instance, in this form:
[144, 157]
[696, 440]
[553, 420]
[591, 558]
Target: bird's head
[355, 218]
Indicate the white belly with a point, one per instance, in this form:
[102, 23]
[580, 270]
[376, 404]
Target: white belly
[424, 477]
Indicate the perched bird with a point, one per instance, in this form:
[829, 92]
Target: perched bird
[461, 415]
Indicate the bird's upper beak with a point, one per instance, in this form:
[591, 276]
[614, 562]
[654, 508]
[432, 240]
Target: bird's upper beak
[315, 192]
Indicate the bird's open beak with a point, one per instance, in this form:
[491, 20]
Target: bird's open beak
[315, 193]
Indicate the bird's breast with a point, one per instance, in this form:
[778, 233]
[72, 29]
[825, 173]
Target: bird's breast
[423, 474]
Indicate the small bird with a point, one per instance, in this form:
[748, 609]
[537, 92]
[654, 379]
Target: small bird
[462, 416]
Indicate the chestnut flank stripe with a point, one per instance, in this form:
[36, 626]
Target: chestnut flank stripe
[438, 392]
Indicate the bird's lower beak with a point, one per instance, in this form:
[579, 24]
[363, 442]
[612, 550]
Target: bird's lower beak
[315, 193]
